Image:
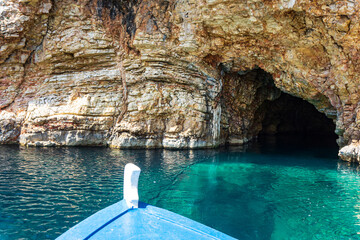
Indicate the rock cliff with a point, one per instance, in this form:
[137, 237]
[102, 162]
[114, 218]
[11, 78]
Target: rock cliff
[174, 74]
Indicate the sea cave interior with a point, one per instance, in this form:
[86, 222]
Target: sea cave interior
[294, 119]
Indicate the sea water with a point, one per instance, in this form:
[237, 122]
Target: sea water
[271, 189]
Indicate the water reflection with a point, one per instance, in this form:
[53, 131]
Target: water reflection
[348, 167]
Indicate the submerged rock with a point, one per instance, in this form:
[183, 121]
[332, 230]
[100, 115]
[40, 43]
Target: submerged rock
[184, 74]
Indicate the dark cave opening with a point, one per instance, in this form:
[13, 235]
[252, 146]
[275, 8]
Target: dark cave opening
[294, 117]
[258, 109]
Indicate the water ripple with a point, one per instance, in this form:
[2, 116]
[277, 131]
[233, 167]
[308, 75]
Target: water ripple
[254, 194]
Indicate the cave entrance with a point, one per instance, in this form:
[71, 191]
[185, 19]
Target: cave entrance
[293, 117]
[256, 107]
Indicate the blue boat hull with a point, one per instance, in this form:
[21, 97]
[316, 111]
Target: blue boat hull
[146, 222]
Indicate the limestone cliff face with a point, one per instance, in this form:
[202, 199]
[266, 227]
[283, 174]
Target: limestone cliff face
[174, 74]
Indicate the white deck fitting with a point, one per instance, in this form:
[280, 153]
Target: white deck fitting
[131, 179]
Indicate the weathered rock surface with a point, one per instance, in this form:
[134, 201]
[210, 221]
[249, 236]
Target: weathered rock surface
[350, 152]
[172, 74]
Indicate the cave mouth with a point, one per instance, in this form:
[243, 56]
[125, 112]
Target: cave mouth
[292, 117]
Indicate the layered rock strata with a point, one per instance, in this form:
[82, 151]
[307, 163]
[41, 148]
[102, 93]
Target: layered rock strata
[174, 74]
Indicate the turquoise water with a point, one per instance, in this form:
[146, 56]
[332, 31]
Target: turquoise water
[274, 189]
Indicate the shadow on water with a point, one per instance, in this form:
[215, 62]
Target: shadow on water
[317, 151]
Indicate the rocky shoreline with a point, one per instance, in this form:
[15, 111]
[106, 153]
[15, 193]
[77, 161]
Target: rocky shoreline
[176, 74]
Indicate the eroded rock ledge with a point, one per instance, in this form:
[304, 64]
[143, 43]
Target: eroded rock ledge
[174, 74]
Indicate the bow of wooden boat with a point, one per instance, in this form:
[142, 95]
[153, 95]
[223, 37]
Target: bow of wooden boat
[131, 219]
